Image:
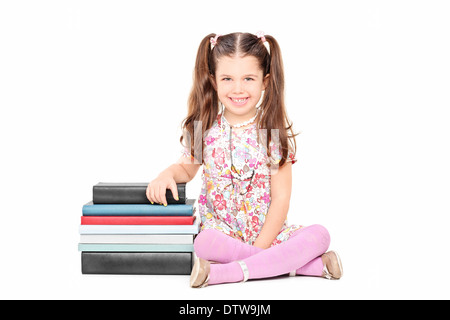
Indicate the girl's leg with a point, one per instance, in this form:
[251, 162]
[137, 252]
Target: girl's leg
[213, 245]
[312, 268]
[301, 252]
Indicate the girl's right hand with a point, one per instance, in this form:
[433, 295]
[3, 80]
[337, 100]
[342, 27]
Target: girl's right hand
[156, 190]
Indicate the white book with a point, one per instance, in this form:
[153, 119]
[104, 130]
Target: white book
[138, 238]
[140, 229]
[134, 247]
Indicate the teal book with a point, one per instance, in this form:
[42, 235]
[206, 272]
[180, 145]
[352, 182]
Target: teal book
[185, 209]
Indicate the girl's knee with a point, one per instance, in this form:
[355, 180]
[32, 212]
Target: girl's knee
[204, 236]
[324, 234]
[201, 237]
[203, 241]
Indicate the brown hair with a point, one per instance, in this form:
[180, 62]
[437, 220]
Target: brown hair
[203, 103]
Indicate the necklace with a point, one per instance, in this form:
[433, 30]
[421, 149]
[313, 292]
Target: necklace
[238, 125]
[248, 176]
[235, 174]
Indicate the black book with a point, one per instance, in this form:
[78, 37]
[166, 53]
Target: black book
[131, 193]
[156, 263]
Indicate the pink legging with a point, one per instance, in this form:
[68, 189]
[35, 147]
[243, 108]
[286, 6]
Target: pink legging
[301, 252]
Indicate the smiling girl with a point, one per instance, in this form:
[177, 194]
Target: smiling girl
[244, 140]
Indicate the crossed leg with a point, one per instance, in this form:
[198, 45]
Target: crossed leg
[301, 252]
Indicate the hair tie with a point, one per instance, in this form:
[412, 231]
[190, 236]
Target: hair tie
[260, 35]
[213, 40]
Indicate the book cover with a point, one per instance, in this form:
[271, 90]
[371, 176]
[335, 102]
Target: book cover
[186, 209]
[150, 263]
[131, 193]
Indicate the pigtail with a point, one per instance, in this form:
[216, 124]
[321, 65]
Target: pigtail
[202, 103]
[273, 106]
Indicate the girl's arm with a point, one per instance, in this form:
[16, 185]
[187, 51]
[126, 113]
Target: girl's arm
[180, 172]
[281, 185]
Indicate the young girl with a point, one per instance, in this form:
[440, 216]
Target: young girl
[237, 128]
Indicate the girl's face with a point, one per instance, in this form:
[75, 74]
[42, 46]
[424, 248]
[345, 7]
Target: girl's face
[239, 83]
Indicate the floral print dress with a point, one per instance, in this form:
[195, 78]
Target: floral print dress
[235, 194]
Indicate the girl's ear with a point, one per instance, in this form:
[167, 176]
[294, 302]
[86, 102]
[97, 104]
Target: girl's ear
[212, 78]
[266, 80]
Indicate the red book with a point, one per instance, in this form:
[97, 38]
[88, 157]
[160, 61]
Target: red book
[137, 220]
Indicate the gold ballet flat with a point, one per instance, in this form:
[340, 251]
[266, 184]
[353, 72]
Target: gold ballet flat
[332, 266]
[200, 273]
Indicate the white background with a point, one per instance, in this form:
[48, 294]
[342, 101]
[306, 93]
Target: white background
[96, 91]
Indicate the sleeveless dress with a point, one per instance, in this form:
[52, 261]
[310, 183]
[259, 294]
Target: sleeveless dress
[235, 195]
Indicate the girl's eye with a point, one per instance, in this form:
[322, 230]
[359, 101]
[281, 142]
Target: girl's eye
[229, 79]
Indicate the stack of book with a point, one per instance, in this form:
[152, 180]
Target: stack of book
[121, 232]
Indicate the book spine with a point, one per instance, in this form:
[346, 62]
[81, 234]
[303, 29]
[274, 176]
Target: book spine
[137, 210]
[150, 263]
[137, 220]
[131, 194]
[140, 229]
[134, 247]
[138, 238]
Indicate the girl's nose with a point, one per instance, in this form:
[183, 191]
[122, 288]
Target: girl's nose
[238, 87]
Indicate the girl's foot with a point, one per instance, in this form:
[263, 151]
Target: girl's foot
[200, 273]
[332, 266]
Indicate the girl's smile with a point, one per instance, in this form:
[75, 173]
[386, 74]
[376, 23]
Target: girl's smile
[239, 101]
